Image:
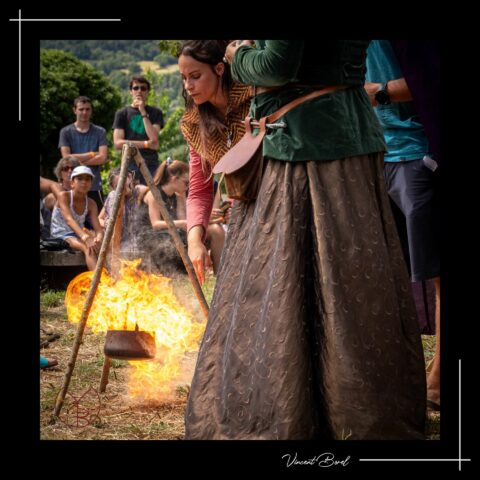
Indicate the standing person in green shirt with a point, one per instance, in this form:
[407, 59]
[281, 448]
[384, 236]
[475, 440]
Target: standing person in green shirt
[312, 331]
[139, 124]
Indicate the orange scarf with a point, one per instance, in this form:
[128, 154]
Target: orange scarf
[237, 109]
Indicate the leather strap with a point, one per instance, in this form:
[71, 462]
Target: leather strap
[273, 117]
[259, 90]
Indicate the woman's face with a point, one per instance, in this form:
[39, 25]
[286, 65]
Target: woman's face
[65, 173]
[127, 188]
[180, 184]
[200, 81]
[82, 183]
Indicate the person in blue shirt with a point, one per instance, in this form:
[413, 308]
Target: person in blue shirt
[411, 174]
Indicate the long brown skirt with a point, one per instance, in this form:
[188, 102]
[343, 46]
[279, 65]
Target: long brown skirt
[312, 332]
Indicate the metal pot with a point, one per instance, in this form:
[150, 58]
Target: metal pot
[129, 345]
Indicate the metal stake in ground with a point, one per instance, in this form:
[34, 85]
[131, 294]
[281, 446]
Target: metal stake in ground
[126, 154]
[173, 232]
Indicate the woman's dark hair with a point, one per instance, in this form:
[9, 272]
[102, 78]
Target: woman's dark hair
[166, 170]
[212, 53]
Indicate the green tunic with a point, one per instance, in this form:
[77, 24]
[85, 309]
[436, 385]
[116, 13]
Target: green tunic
[337, 125]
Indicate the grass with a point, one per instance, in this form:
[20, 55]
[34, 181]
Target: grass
[52, 298]
[121, 417]
[432, 428]
[428, 342]
[151, 65]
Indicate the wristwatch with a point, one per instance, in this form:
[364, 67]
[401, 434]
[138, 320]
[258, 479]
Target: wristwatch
[382, 96]
[145, 116]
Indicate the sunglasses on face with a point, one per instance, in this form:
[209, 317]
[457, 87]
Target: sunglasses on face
[66, 169]
[143, 88]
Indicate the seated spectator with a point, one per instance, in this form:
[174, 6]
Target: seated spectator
[131, 193]
[172, 179]
[62, 171]
[70, 212]
[48, 188]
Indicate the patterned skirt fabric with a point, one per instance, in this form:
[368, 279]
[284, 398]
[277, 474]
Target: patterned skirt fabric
[312, 332]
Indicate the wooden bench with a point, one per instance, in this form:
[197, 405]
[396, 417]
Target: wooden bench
[61, 258]
[58, 268]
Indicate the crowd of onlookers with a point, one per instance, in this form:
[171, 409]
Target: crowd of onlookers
[74, 210]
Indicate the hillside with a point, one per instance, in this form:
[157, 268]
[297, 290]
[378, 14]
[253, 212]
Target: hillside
[118, 59]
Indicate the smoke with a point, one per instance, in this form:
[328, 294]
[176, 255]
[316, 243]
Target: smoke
[156, 248]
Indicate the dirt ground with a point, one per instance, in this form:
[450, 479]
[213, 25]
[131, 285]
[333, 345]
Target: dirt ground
[90, 415]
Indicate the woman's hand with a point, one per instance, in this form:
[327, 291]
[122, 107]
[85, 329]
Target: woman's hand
[97, 242]
[200, 259]
[217, 216]
[232, 48]
[89, 241]
[228, 213]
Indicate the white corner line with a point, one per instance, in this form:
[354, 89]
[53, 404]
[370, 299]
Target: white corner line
[20, 20]
[459, 414]
[65, 19]
[459, 459]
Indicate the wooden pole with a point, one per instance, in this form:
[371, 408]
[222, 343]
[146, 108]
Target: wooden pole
[105, 372]
[114, 270]
[173, 232]
[126, 154]
[117, 240]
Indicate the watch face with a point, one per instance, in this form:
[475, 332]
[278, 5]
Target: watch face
[382, 97]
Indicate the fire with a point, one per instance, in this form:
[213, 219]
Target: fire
[146, 300]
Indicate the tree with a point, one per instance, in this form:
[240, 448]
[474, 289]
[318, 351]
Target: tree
[171, 141]
[169, 46]
[63, 77]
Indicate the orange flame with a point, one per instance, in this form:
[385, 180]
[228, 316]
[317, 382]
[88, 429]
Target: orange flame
[148, 300]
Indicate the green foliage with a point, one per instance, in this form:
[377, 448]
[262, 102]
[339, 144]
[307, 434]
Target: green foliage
[165, 59]
[98, 49]
[171, 141]
[63, 78]
[119, 60]
[52, 298]
[169, 47]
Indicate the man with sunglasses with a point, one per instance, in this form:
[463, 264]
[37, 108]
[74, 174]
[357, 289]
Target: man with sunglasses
[139, 124]
[86, 142]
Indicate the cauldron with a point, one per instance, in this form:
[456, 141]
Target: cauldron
[129, 345]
